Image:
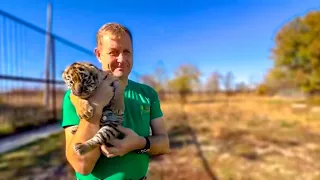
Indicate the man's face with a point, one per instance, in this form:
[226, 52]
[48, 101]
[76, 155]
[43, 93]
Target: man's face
[115, 54]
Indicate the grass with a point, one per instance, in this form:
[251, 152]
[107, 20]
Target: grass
[6, 128]
[236, 138]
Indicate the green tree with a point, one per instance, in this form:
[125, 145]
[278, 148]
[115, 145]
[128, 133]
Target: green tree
[296, 54]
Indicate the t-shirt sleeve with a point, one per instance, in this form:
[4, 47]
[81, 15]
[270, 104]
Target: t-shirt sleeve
[155, 109]
[69, 114]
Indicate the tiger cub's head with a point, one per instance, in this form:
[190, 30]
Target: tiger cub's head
[82, 78]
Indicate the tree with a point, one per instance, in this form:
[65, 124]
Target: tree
[278, 79]
[242, 87]
[213, 82]
[160, 75]
[186, 79]
[157, 80]
[149, 80]
[296, 54]
[228, 82]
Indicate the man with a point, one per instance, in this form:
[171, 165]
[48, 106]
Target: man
[129, 158]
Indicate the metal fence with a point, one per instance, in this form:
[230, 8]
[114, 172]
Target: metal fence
[31, 62]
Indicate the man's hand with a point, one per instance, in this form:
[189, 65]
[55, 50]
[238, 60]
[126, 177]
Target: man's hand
[130, 142]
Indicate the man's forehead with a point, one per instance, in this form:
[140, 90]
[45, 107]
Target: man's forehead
[114, 39]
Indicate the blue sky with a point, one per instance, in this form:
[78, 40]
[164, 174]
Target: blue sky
[214, 35]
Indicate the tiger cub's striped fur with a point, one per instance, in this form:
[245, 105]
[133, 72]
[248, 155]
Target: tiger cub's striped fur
[83, 79]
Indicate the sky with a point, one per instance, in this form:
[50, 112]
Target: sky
[216, 35]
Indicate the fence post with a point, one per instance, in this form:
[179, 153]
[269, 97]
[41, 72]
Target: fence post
[47, 56]
[53, 77]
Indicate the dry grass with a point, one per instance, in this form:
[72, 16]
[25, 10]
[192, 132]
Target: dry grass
[24, 110]
[244, 137]
[27, 99]
[240, 138]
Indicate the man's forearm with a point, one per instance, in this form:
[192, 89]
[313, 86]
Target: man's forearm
[159, 144]
[83, 164]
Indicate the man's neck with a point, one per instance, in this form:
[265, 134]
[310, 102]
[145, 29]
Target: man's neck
[124, 80]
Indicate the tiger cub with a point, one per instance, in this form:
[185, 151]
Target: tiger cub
[83, 79]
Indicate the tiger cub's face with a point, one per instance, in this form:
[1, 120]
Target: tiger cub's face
[82, 78]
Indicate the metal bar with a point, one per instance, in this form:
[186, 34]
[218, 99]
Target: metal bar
[29, 79]
[47, 56]
[42, 31]
[53, 66]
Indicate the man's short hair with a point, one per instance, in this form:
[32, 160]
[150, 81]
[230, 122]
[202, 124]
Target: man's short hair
[115, 29]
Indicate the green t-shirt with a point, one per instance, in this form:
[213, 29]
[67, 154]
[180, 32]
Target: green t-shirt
[141, 106]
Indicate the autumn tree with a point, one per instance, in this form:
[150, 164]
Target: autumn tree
[213, 81]
[148, 80]
[277, 80]
[186, 79]
[162, 79]
[228, 82]
[241, 87]
[296, 54]
[157, 80]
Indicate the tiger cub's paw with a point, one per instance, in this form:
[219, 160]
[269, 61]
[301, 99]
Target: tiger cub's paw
[81, 149]
[85, 110]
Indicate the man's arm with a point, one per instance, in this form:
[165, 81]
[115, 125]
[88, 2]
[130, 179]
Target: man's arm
[86, 128]
[82, 164]
[159, 141]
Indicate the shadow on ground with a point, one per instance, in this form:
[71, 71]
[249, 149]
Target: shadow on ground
[177, 141]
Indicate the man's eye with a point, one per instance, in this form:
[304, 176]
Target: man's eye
[127, 52]
[113, 53]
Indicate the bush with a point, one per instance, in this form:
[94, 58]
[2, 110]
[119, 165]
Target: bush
[262, 90]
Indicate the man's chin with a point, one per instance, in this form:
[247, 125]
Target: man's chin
[119, 74]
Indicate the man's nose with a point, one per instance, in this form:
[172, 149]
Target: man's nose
[120, 58]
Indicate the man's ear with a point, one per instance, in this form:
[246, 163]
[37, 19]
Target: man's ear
[97, 53]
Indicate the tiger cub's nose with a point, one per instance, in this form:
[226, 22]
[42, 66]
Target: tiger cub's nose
[77, 90]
